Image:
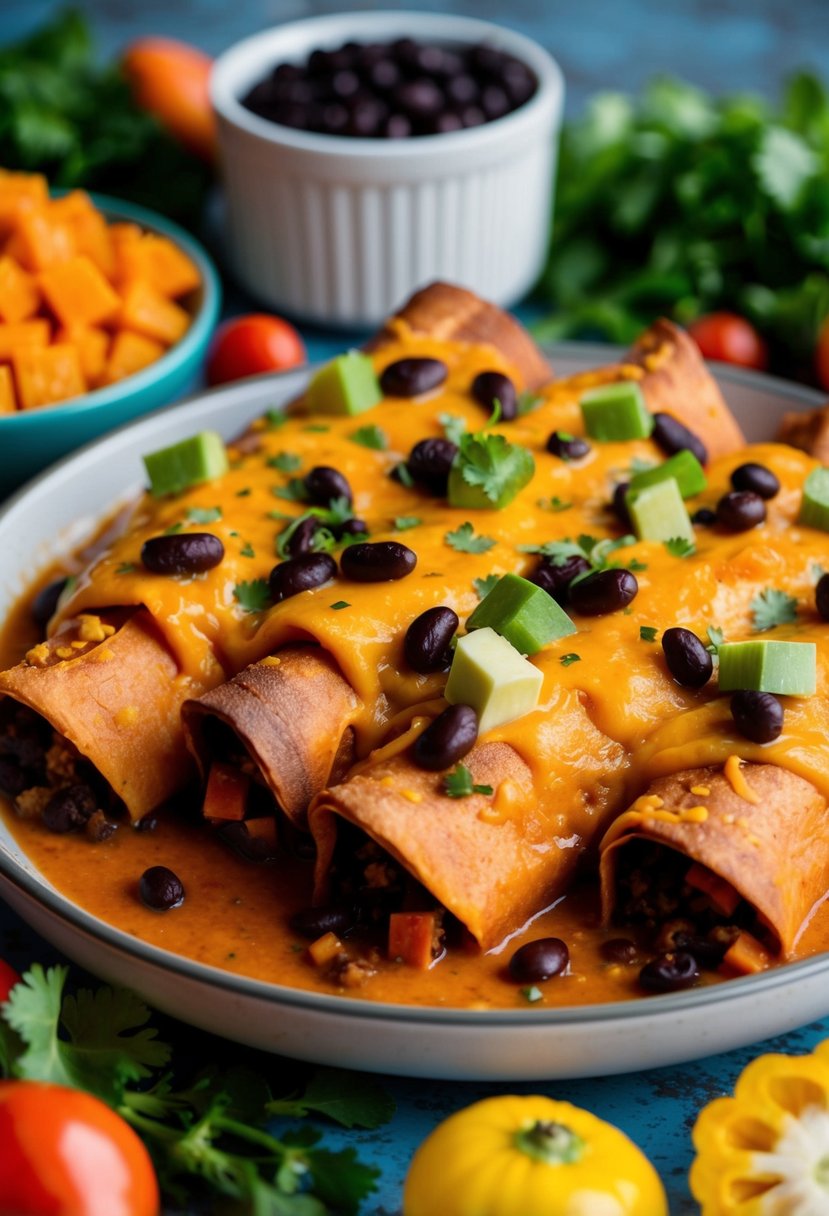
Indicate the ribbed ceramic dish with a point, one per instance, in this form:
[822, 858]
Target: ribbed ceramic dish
[503, 1045]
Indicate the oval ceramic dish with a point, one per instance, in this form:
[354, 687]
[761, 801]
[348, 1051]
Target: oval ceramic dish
[32, 439]
[446, 1043]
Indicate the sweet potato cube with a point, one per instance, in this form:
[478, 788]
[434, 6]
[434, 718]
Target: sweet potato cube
[23, 334]
[46, 375]
[325, 949]
[746, 955]
[19, 292]
[146, 311]
[159, 262]
[128, 354]
[412, 938]
[89, 228]
[226, 795]
[39, 241]
[19, 192]
[77, 292]
[8, 400]
[92, 345]
[263, 830]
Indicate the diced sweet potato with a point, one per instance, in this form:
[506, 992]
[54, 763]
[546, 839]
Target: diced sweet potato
[263, 829]
[46, 375]
[19, 192]
[723, 897]
[23, 334]
[157, 261]
[148, 312]
[89, 228]
[324, 949]
[8, 400]
[77, 292]
[38, 241]
[226, 795]
[19, 292]
[412, 938]
[92, 345]
[746, 956]
[129, 353]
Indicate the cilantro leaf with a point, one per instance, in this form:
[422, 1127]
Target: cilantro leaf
[647, 633]
[554, 504]
[247, 550]
[680, 546]
[464, 540]
[338, 605]
[459, 784]
[454, 427]
[591, 548]
[401, 472]
[275, 419]
[716, 637]
[784, 163]
[528, 402]
[532, 994]
[126, 568]
[286, 462]
[253, 596]
[340, 1180]
[498, 467]
[772, 607]
[322, 541]
[567, 659]
[294, 491]
[370, 436]
[483, 586]
[402, 523]
[350, 1099]
[203, 515]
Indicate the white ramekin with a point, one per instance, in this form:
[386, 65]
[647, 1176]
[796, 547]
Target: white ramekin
[340, 230]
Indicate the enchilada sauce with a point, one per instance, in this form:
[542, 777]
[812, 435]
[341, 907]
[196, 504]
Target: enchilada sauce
[627, 721]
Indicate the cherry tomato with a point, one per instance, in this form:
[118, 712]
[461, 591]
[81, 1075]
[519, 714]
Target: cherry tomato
[8, 979]
[170, 80]
[65, 1153]
[249, 345]
[725, 336]
[822, 354]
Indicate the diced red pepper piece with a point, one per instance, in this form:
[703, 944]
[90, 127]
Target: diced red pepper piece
[412, 937]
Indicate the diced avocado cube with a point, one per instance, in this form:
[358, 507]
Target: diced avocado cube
[683, 467]
[199, 458]
[346, 385]
[789, 668]
[814, 506]
[658, 513]
[488, 472]
[490, 675]
[522, 613]
[616, 412]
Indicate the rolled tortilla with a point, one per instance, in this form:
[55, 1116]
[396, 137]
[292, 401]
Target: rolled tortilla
[807, 430]
[767, 838]
[110, 686]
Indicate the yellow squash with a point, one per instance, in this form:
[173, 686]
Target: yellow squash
[530, 1156]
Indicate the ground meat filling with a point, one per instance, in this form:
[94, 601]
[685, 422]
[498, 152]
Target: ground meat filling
[48, 780]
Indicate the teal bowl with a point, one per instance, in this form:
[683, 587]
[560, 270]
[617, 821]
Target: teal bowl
[32, 439]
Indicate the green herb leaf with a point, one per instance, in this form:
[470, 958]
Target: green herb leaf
[126, 568]
[464, 540]
[286, 462]
[772, 607]
[680, 546]
[636, 566]
[247, 550]
[553, 504]
[370, 436]
[403, 523]
[275, 419]
[350, 1099]
[500, 468]
[401, 470]
[532, 994]
[340, 604]
[716, 637]
[528, 402]
[253, 596]
[454, 427]
[173, 529]
[647, 633]
[483, 586]
[294, 491]
[567, 659]
[459, 784]
[317, 428]
[204, 515]
[245, 492]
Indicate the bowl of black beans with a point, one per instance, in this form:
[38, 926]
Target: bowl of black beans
[366, 154]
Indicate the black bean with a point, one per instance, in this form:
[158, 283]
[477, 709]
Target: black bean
[182, 553]
[314, 922]
[13, 779]
[740, 510]
[704, 517]
[366, 117]
[411, 377]
[98, 828]
[300, 574]
[323, 484]
[429, 463]
[426, 645]
[446, 740]
[673, 436]
[822, 596]
[539, 960]
[257, 849]
[68, 809]
[445, 123]
[687, 658]
[566, 446]
[708, 953]
[757, 478]
[489, 387]
[384, 75]
[618, 504]
[619, 950]
[350, 527]
[494, 102]
[397, 126]
[670, 972]
[603, 591]
[377, 561]
[419, 98]
[45, 602]
[473, 116]
[757, 715]
[160, 889]
[555, 580]
[461, 90]
[302, 537]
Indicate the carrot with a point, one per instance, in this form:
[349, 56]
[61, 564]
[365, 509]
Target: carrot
[412, 937]
[226, 795]
[170, 80]
[722, 895]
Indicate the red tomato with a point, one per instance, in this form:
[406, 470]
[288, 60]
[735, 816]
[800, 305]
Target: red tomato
[65, 1153]
[8, 979]
[249, 345]
[725, 336]
[822, 355]
[170, 79]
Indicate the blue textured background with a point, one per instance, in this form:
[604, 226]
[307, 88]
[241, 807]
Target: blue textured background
[723, 45]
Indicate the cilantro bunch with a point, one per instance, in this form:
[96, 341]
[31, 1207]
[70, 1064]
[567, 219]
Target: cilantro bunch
[681, 204]
[209, 1136]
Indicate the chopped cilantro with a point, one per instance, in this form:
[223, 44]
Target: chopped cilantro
[772, 607]
[680, 546]
[294, 491]
[817, 571]
[402, 523]
[593, 550]
[464, 540]
[126, 568]
[647, 633]
[716, 637]
[204, 515]
[453, 427]
[532, 994]
[483, 586]
[528, 402]
[243, 493]
[322, 541]
[401, 472]
[370, 436]
[275, 419]
[553, 504]
[286, 462]
[636, 566]
[567, 659]
[247, 550]
[173, 529]
[253, 596]
[459, 784]
[499, 468]
[317, 428]
[339, 604]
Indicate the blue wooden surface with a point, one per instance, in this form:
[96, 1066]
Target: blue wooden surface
[723, 45]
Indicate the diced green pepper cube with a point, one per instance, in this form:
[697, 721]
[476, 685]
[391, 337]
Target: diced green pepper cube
[789, 668]
[346, 385]
[814, 506]
[658, 513]
[490, 675]
[187, 463]
[522, 613]
[616, 412]
[683, 467]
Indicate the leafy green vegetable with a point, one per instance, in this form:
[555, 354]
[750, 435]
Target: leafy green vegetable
[454, 427]
[403, 523]
[772, 607]
[716, 637]
[464, 540]
[370, 436]
[594, 550]
[64, 115]
[294, 491]
[204, 515]
[329, 1093]
[567, 659]
[647, 633]
[499, 468]
[286, 462]
[680, 546]
[459, 784]
[339, 605]
[554, 504]
[483, 586]
[253, 596]
[681, 204]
